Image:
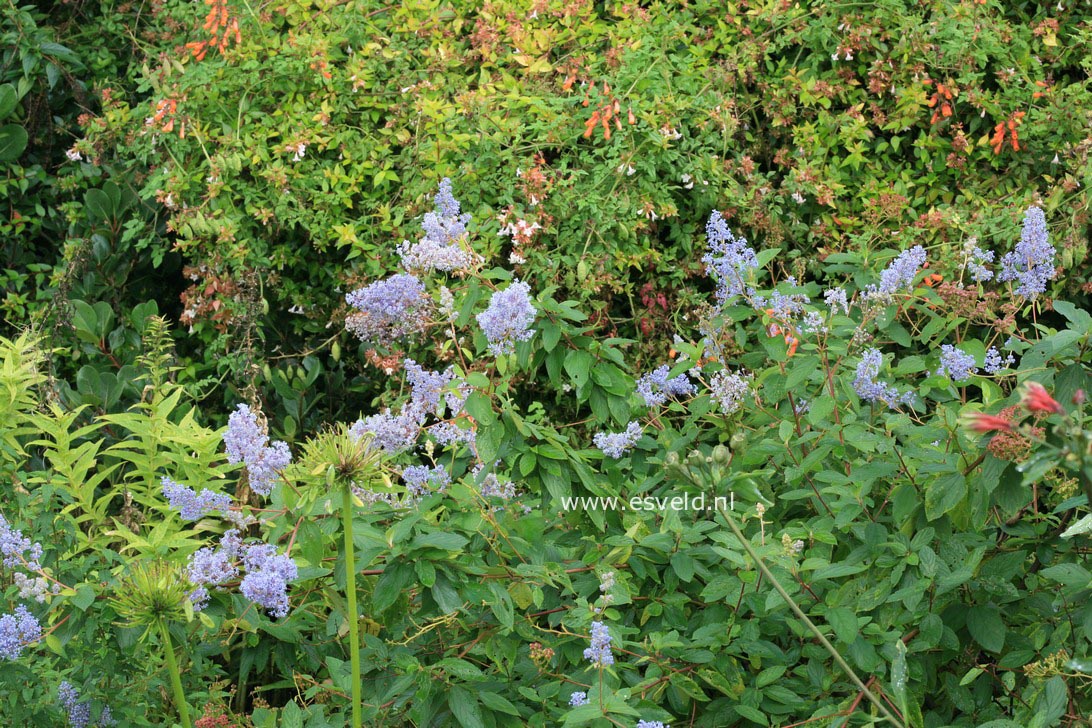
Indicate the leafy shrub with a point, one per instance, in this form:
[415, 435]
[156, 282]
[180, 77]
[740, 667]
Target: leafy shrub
[864, 533]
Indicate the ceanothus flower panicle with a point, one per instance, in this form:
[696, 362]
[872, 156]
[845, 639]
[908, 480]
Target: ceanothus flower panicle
[37, 588]
[995, 362]
[835, 298]
[267, 572]
[975, 260]
[899, 275]
[956, 363]
[421, 480]
[448, 433]
[651, 724]
[783, 307]
[870, 390]
[445, 231]
[267, 578]
[18, 550]
[730, 389]
[388, 309]
[17, 630]
[246, 442]
[193, 506]
[729, 258]
[391, 432]
[655, 387]
[1032, 262]
[508, 318]
[599, 653]
[578, 698]
[493, 487]
[427, 386]
[616, 444]
[79, 711]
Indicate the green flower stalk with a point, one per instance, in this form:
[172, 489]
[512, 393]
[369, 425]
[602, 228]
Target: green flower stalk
[350, 597]
[347, 460]
[154, 595]
[176, 676]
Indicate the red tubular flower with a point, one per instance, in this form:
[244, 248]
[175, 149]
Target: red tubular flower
[982, 422]
[1037, 399]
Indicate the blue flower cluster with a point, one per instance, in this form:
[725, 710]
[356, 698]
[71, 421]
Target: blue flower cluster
[193, 506]
[447, 433]
[422, 480]
[578, 698]
[616, 444]
[729, 258]
[267, 578]
[871, 390]
[247, 442]
[835, 298]
[508, 318]
[655, 387]
[391, 432]
[491, 485]
[783, 307]
[995, 362]
[730, 389]
[898, 276]
[427, 386]
[36, 588]
[79, 711]
[651, 724]
[267, 572]
[442, 246]
[17, 630]
[397, 432]
[956, 363]
[599, 653]
[389, 309]
[18, 550]
[975, 260]
[1031, 264]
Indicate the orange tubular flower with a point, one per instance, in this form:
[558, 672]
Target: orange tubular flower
[982, 422]
[1037, 399]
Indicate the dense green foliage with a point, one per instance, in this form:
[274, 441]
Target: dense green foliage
[188, 204]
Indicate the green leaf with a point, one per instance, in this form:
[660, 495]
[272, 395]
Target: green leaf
[1083, 526]
[390, 585]
[971, 676]
[445, 595]
[291, 717]
[99, 207]
[1052, 703]
[578, 365]
[899, 674]
[944, 494]
[496, 702]
[1068, 574]
[439, 540]
[986, 627]
[460, 668]
[1081, 319]
[9, 98]
[844, 623]
[13, 140]
[583, 715]
[465, 708]
[84, 597]
[752, 714]
[683, 565]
